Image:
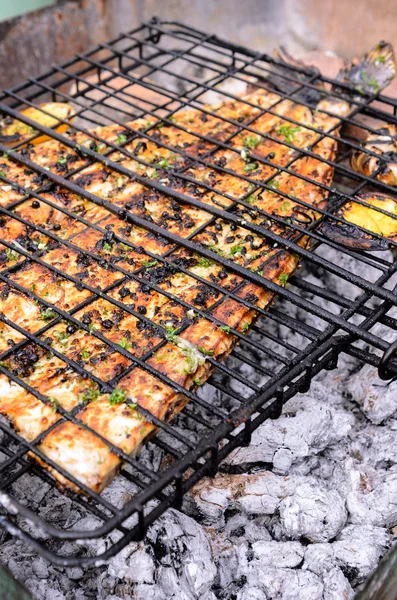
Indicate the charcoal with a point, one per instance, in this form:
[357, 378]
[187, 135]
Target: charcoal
[376, 398]
[313, 512]
[306, 427]
[360, 547]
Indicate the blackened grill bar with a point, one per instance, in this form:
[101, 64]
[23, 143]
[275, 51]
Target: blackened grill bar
[291, 375]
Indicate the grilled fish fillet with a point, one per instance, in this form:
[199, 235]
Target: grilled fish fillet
[49, 114]
[32, 288]
[370, 214]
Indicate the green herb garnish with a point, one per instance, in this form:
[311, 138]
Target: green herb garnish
[285, 206]
[163, 163]
[47, 314]
[53, 401]
[251, 141]
[236, 250]
[206, 352]
[62, 337]
[205, 262]
[117, 396]
[62, 160]
[149, 263]
[251, 166]
[273, 183]
[121, 139]
[11, 254]
[245, 327]
[171, 334]
[283, 279]
[124, 343]
[288, 131]
[85, 354]
[89, 395]
[225, 328]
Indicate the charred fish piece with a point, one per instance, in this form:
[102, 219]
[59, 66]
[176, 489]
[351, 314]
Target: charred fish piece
[361, 222]
[384, 144]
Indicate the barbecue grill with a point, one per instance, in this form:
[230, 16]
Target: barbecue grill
[181, 67]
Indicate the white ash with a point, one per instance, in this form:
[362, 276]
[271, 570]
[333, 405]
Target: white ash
[313, 529]
[376, 398]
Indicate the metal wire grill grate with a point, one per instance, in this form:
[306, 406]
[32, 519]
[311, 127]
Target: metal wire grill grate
[154, 72]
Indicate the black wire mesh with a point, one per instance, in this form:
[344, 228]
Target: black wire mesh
[154, 72]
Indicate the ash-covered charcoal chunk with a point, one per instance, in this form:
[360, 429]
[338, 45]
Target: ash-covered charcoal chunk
[119, 326]
[98, 274]
[376, 398]
[313, 512]
[88, 351]
[29, 415]
[50, 286]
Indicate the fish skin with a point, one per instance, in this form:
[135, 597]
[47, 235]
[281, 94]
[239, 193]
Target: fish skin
[122, 425]
[383, 144]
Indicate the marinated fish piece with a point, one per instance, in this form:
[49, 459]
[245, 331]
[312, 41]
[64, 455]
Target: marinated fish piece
[369, 76]
[360, 221]
[383, 143]
[370, 73]
[181, 358]
[14, 132]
